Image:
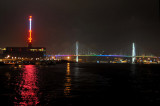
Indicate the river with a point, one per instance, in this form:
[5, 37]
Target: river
[77, 84]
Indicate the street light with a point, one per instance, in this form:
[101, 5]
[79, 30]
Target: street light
[8, 56]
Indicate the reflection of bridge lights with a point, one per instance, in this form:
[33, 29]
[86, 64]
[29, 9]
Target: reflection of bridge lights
[67, 84]
[8, 75]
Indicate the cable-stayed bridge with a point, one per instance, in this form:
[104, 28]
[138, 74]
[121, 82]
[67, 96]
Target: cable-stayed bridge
[79, 50]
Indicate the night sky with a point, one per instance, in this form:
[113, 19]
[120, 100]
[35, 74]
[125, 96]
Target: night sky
[106, 25]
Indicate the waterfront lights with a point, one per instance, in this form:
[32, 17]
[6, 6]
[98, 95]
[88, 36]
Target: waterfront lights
[8, 56]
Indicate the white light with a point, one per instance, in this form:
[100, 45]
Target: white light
[30, 24]
[133, 53]
[8, 56]
[77, 51]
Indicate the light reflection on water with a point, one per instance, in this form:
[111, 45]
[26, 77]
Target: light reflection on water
[67, 89]
[27, 87]
[133, 69]
[75, 83]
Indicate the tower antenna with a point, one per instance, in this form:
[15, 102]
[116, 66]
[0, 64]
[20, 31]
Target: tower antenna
[30, 32]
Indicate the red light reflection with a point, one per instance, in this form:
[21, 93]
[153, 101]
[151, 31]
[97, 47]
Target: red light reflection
[28, 88]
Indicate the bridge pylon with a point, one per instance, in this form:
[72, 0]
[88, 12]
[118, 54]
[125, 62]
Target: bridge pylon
[77, 51]
[133, 53]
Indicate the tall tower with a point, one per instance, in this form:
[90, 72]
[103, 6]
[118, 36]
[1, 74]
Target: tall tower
[77, 51]
[133, 53]
[30, 32]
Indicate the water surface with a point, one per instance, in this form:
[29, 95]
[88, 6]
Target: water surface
[73, 84]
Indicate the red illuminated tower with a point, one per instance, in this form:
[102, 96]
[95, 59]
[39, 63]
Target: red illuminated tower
[30, 32]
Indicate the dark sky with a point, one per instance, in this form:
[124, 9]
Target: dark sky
[109, 25]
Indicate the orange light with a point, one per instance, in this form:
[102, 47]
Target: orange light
[30, 36]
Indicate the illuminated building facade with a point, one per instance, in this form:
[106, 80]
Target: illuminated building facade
[26, 52]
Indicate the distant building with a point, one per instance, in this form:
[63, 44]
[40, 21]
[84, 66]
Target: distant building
[25, 52]
[1, 52]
